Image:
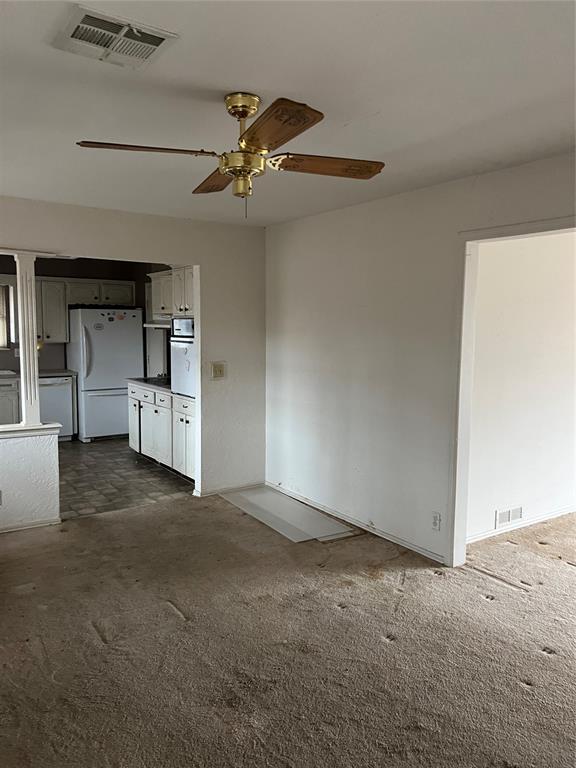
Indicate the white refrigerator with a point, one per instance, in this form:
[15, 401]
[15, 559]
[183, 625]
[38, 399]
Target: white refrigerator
[106, 347]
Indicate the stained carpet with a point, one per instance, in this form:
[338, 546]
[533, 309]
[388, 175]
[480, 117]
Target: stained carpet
[185, 633]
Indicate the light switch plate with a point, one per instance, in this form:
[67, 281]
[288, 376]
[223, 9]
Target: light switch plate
[218, 370]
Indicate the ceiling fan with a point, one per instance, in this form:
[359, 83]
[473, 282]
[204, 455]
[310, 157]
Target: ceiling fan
[282, 121]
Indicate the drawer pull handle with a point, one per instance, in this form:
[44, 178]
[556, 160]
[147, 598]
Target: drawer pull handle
[187, 422]
[155, 410]
[182, 420]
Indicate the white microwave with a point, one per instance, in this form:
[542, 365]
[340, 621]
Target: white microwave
[182, 327]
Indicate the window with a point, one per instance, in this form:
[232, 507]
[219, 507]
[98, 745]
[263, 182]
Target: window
[4, 316]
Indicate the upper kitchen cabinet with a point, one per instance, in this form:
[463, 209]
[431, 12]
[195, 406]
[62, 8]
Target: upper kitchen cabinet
[54, 312]
[83, 292]
[161, 294]
[120, 294]
[182, 291]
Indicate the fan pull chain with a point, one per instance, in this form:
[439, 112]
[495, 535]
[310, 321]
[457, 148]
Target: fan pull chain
[246, 207]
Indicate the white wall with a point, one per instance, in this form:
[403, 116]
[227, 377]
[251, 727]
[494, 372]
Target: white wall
[363, 344]
[29, 481]
[523, 404]
[231, 260]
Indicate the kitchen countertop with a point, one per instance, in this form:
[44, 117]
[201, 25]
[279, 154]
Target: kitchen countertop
[152, 383]
[41, 374]
[62, 372]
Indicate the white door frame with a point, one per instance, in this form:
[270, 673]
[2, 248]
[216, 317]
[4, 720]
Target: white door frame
[467, 356]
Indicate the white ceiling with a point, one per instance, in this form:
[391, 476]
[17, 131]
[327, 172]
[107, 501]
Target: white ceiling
[437, 90]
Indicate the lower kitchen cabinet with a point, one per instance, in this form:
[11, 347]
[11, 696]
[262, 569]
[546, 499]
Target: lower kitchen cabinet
[134, 424]
[183, 443]
[9, 403]
[162, 426]
[178, 442]
[156, 433]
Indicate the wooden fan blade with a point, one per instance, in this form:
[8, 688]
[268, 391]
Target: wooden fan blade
[216, 182]
[282, 121]
[141, 148]
[326, 166]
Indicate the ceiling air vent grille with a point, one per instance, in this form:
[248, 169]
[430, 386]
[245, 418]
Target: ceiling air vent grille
[117, 41]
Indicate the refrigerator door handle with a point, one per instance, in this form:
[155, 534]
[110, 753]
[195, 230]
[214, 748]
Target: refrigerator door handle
[85, 349]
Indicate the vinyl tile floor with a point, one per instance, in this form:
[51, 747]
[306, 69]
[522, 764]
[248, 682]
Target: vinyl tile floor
[107, 475]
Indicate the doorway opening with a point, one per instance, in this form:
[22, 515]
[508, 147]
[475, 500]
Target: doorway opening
[100, 324]
[517, 416]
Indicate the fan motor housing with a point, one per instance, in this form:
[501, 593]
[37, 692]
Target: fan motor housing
[242, 166]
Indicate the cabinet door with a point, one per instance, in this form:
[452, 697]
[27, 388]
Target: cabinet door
[166, 294]
[156, 289]
[147, 427]
[163, 435]
[188, 291]
[190, 470]
[54, 312]
[39, 329]
[162, 296]
[83, 293]
[9, 405]
[134, 424]
[178, 442]
[178, 291]
[117, 293]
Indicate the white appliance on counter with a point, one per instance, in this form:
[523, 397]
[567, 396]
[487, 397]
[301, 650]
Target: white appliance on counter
[106, 347]
[57, 403]
[183, 357]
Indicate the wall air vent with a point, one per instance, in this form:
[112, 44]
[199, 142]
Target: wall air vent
[507, 516]
[118, 41]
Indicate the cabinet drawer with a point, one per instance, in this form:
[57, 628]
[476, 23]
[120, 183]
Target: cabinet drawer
[164, 400]
[184, 405]
[138, 393]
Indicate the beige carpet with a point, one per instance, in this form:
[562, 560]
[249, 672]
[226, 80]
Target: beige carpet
[188, 634]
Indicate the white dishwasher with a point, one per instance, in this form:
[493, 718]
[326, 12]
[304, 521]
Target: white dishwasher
[57, 403]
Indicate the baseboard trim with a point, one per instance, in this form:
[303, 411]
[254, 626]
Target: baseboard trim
[26, 526]
[521, 524]
[353, 521]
